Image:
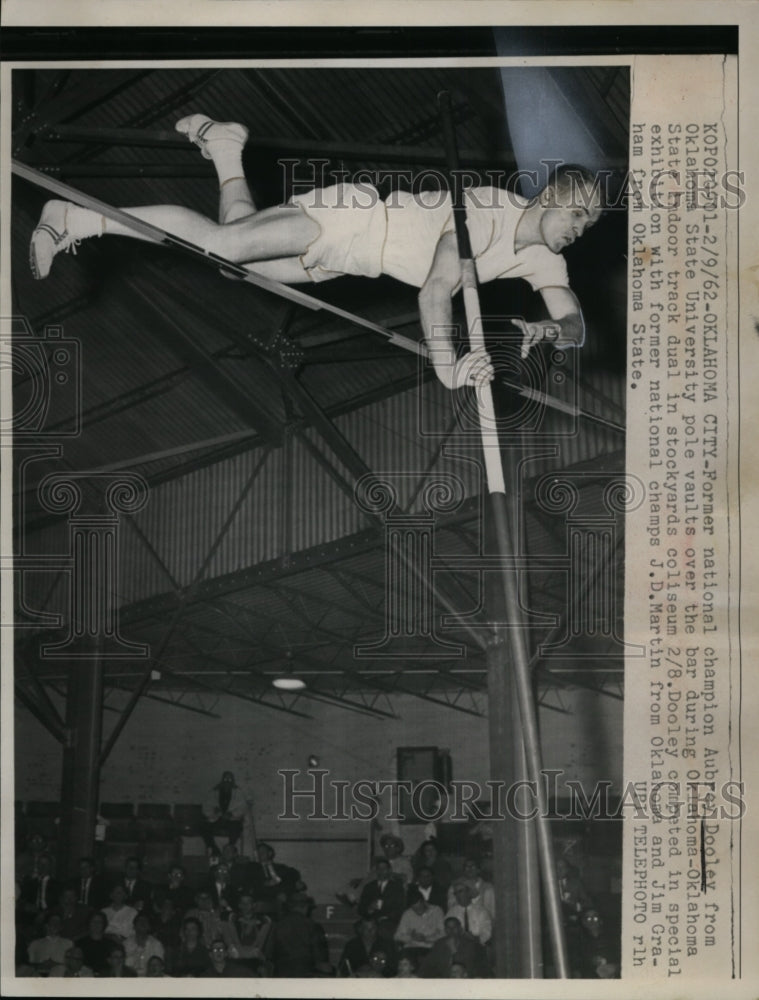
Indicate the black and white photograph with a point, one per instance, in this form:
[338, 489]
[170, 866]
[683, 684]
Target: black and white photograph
[323, 512]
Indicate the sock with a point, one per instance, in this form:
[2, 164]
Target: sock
[82, 223]
[227, 158]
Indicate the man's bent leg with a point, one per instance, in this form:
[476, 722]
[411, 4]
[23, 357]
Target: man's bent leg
[222, 142]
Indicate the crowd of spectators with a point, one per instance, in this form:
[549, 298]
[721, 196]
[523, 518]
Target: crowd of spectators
[247, 918]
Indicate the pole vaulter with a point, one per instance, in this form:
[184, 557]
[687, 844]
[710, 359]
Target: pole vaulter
[520, 658]
[239, 271]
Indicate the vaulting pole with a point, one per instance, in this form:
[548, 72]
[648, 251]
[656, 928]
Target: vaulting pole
[517, 645]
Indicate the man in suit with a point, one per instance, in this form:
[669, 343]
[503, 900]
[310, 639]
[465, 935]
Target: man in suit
[272, 882]
[430, 890]
[40, 892]
[91, 889]
[219, 886]
[139, 890]
[455, 948]
[383, 899]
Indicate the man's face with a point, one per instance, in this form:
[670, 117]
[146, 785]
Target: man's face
[470, 870]
[155, 966]
[53, 926]
[176, 875]
[227, 778]
[419, 906]
[424, 878]
[68, 899]
[264, 854]
[567, 213]
[222, 873]
[463, 894]
[383, 871]
[85, 869]
[44, 865]
[118, 894]
[132, 870]
[74, 959]
[96, 926]
[452, 928]
[218, 951]
[141, 926]
[116, 958]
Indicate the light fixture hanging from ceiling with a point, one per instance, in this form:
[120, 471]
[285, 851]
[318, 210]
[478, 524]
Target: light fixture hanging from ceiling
[288, 681]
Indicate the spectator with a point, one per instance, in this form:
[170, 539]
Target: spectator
[47, 955]
[222, 892]
[222, 966]
[116, 967]
[421, 925]
[156, 967]
[427, 887]
[482, 891]
[406, 967]
[393, 848]
[383, 898]
[141, 945]
[359, 949]
[224, 812]
[95, 945]
[27, 861]
[176, 890]
[298, 945]
[271, 881]
[139, 891]
[428, 856]
[455, 947]
[241, 869]
[192, 956]
[472, 916]
[74, 916]
[248, 932]
[40, 891]
[207, 917]
[90, 888]
[458, 971]
[378, 966]
[600, 952]
[74, 967]
[167, 924]
[119, 915]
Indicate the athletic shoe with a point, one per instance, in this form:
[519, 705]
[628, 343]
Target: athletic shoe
[51, 237]
[203, 130]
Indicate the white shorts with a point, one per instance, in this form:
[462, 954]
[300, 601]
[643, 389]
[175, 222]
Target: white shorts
[353, 227]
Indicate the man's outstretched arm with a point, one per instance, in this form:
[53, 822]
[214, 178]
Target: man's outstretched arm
[436, 313]
[565, 328]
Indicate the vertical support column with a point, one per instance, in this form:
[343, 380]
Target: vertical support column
[80, 780]
[502, 710]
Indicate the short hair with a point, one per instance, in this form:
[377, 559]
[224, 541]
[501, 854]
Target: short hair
[195, 921]
[269, 848]
[116, 947]
[414, 896]
[575, 178]
[137, 861]
[177, 868]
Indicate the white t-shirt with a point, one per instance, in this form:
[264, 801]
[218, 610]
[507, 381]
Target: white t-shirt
[363, 235]
[415, 223]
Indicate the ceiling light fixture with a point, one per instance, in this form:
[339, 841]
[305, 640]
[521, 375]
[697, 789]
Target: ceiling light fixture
[287, 681]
